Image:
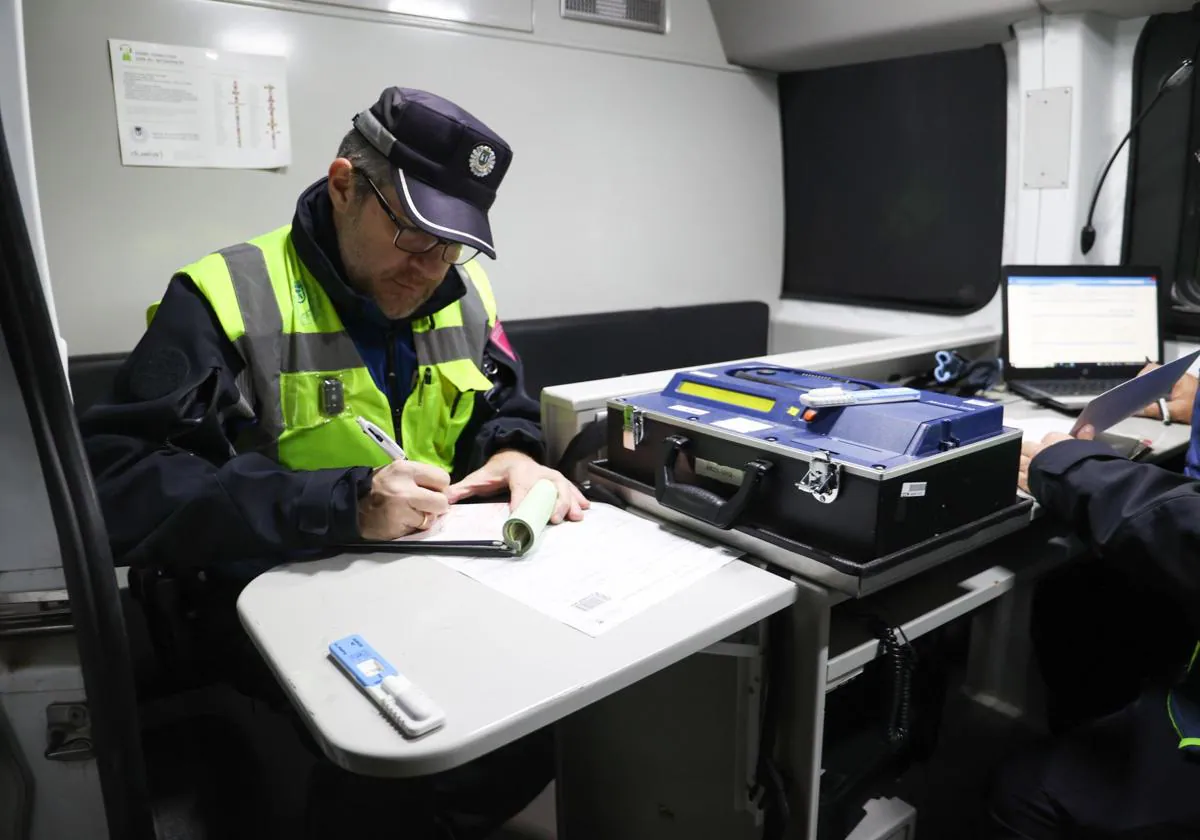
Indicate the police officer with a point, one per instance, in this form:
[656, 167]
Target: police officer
[1132, 771]
[230, 440]
[1099, 630]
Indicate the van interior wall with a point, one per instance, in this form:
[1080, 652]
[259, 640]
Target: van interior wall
[1091, 54]
[1094, 55]
[646, 172]
[625, 192]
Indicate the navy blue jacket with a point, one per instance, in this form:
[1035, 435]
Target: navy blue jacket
[1137, 514]
[173, 490]
[1191, 466]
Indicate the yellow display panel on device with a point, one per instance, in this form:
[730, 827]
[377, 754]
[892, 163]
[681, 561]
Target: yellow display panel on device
[724, 395]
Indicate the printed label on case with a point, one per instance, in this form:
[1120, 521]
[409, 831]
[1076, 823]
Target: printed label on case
[719, 472]
[742, 425]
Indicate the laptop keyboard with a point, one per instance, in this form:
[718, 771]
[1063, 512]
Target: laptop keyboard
[1085, 388]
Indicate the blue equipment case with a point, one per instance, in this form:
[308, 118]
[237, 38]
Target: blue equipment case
[844, 494]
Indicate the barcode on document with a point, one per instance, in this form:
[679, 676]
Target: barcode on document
[591, 601]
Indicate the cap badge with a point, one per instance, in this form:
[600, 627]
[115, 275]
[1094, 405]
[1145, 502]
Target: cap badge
[482, 161]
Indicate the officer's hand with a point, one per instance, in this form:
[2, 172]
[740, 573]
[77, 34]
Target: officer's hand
[1179, 403]
[518, 472]
[405, 496]
[1030, 449]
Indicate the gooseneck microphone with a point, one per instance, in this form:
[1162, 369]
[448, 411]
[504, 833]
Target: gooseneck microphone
[1087, 236]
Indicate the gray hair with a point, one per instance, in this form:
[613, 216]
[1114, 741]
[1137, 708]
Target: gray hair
[366, 160]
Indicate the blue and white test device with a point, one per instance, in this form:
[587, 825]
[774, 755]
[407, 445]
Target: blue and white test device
[830, 397]
[401, 702]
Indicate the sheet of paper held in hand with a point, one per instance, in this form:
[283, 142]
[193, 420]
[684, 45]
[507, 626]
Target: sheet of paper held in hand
[591, 575]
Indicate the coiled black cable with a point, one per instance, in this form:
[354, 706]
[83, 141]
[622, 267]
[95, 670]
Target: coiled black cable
[901, 657]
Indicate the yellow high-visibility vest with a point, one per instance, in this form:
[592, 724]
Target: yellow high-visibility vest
[305, 382]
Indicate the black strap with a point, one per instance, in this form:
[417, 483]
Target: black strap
[586, 445]
[589, 445]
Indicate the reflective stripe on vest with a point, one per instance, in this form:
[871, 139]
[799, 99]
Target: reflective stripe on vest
[296, 350]
[1183, 708]
[259, 344]
[449, 343]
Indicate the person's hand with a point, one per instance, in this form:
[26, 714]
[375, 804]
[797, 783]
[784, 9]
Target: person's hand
[405, 496]
[1030, 449]
[1179, 403]
[518, 472]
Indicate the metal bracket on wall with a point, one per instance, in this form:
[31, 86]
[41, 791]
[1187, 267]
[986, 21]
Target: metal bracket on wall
[1046, 140]
[68, 732]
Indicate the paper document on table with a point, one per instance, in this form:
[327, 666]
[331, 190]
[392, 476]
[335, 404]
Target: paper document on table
[464, 523]
[591, 575]
[493, 526]
[1036, 428]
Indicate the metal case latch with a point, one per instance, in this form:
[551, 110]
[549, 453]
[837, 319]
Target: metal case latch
[634, 427]
[823, 478]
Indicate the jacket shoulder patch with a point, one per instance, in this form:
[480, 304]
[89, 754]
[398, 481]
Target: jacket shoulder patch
[158, 373]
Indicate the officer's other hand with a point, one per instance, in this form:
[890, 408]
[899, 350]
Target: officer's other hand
[405, 496]
[518, 472]
[1180, 401]
[1030, 449]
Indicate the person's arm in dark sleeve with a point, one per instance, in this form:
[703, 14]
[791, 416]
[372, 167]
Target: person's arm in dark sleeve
[1139, 515]
[173, 490]
[506, 417]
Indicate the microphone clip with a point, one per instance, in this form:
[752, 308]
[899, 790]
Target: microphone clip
[1087, 238]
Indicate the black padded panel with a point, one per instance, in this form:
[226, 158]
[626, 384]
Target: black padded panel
[91, 377]
[574, 348]
[579, 348]
[894, 177]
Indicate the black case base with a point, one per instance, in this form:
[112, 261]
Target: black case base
[873, 515]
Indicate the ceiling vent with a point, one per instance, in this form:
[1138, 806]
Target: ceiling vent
[647, 15]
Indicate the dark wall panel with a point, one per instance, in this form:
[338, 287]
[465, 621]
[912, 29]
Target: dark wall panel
[894, 181]
[1162, 212]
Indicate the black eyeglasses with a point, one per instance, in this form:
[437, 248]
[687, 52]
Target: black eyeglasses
[416, 241]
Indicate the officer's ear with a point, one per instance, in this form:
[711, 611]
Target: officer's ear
[342, 189]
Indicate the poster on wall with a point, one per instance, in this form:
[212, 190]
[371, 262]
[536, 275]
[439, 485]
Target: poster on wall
[195, 107]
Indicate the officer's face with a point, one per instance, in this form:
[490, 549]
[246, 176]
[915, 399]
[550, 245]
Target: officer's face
[398, 281]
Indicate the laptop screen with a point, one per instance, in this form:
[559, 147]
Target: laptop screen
[1067, 320]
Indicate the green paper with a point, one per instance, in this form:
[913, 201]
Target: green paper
[527, 522]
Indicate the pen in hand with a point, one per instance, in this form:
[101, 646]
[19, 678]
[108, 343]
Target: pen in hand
[411, 490]
[382, 440]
